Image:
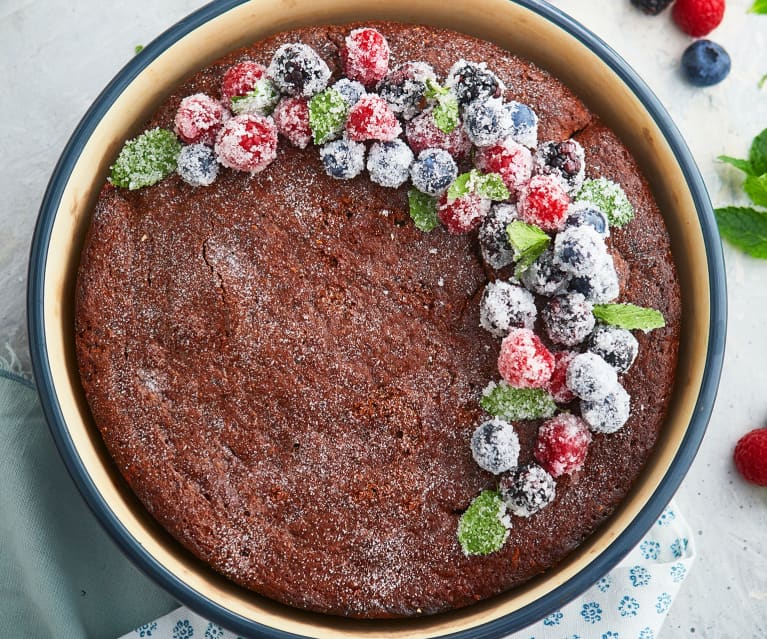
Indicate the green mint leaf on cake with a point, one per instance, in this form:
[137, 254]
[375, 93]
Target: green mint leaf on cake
[423, 210]
[446, 114]
[609, 197]
[743, 165]
[512, 404]
[484, 527]
[528, 241]
[487, 185]
[757, 155]
[629, 316]
[745, 228]
[759, 6]
[146, 159]
[327, 114]
[261, 99]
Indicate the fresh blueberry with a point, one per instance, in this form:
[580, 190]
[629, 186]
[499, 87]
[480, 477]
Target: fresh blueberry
[527, 489]
[580, 251]
[389, 163]
[495, 446]
[617, 346]
[705, 63]
[586, 214]
[566, 160]
[404, 88]
[544, 277]
[568, 319]
[298, 70]
[343, 159]
[433, 171]
[524, 124]
[505, 306]
[197, 165]
[351, 90]
[471, 81]
[487, 121]
[609, 413]
[590, 377]
[493, 239]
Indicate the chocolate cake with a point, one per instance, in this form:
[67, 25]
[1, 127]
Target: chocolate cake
[287, 372]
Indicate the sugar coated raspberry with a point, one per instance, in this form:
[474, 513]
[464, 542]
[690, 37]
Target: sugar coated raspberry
[463, 214]
[751, 456]
[404, 88]
[505, 306]
[512, 161]
[494, 244]
[365, 56]
[565, 160]
[473, 80]
[247, 143]
[298, 70]
[291, 117]
[590, 377]
[562, 445]
[371, 118]
[617, 346]
[343, 159]
[495, 446]
[543, 202]
[527, 489]
[241, 78]
[698, 17]
[197, 165]
[609, 413]
[389, 163]
[524, 362]
[433, 171]
[423, 133]
[568, 319]
[558, 383]
[199, 119]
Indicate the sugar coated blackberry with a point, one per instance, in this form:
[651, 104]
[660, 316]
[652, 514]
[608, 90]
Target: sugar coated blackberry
[494, 244]
[462, 214]
[586, 214]
[471, 81]
[565, 160]
[524, 361]
[568, 319]
[487, 121]
[371, 118]
[544, 277]
[350, 90]
[617, 346]
[197, 165]
[607, 196]
[557, 385]
[247, 143]
[505, 306]
[495, 446]
[241, 78]
[599, 287]
[404, 88]
[199, 119]
[512, 161]
[544, 202]
[579, 250]
[389, 163]
[298, 70]
[423, 133]
[527, 489]
[291, 117]
[524, 124]
[590, 377]
[365, 56]
[562, 444]
[609, 413]
[433, 171]
[343, 159]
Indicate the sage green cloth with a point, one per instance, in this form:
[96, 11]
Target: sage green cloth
[60, 574]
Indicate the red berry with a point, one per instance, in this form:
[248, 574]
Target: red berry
[751, 456]
[291, 116]
[365, 56]
[558, 382]
[562, 445]
[462, 214]
[240, 78]
[199, 118]
[524, 362]
[247, 142]
[423, 133]
[543, 202]
[371, 118]
[698, 17]
[512, 161]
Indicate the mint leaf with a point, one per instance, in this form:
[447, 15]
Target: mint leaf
[327, 115]
[463, 184]
[745, 228]
[629, 316]
[756, 189]
[484, 527]
[761, 82]
[512, 404]
[609, 197]
[423, 210]
[758, 153]
[528, 242]
[743, 165]
[146, 159]
[491, 186]
[138, 49]
[261, 99]
[759, 6]
[434, 91]
[446, 113]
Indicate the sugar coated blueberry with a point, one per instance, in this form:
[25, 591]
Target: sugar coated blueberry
[524, 361]
[599, 287]
[423, 133]
[433, 171]
[350, 90]
[590, 377]
[705, 63]
[512, 161]
[197, 165]
[609, 413]
[527, 489]
[199, 119]
[298, 70]
[365, 56]
[495, 446]
[462, 214]
[565, 160]
[494, 244]
[247, 143]
[524, 124]
[586, 214]
[544, 277]
[579, 250]
[389, 163]
[562, 444]
[617, 346]
[568, 319]
[343, 159]
[471, 81]
[404, 87]
[544, 202]
[505, 306]
[487, 121]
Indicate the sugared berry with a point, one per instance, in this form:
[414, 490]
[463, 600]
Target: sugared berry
[609, 413]
[579, 250]
[199, 119]
[433, 171]
[350, 90]
[698, 17]
[343, 159]
[568, 319]
[298, 70]
[389, 163]
[617, 346]
[524, 124]
[291, 117]
[543, 202]
[705, 63]
[462, 214]
[599, 287]
[544, 277]
[562, 444]
[494, 244]
[487, 121]
[527, 489]
[590, 377]
[495, 446]
[565, 160]
[197, 165]
[261, 99]
[512, 161]
[558, 383]
[609, 197]
[241, 78]
[423, 133]
[365, 56]
[586, 214]
[651, 7]
[471, 81]
[404, 88]
[750, 456]
[247, 143]
[524, 362]
[371, 118]
[505, 306]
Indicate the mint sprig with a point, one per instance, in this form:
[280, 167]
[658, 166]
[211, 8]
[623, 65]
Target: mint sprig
[629, 316]
[327, 115]
[487, 185]
[512, 404]
[484, 527]
[529, 243]
[146, 159]
[423, 210]
[759, 6]
[445, 113]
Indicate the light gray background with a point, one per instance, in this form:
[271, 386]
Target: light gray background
[55, 57]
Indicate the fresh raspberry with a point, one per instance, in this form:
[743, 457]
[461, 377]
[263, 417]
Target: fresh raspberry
[423, 133]
[524, 362]
[463, 214]
[558, 383]
[372, 119]
[198, 119]
[512, 161]
[562, 445]
[291, 116]
[240, 78]
[365, 56]
[698, 17]
[751, 456]
[543, 202]
[247, 142]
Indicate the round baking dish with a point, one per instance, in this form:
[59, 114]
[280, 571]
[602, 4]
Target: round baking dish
[531, 29]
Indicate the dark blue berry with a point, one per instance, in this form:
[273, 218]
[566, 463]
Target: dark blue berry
[585, 214]
[471, 81]
[544, 277]
[343, 159]
[493, 239]
[433, 171]
[651, 7]
[405, 87]
[298, 70]
[705, 63]
[580, 250]
[566, 160]
[524, 123]
[487, 121]
[617, 346]
[350, 90]
[389, 163]
[590, 377]
[599, 287]
[609, 413]
[568, 319]
[495, 446]
[527, 489]
[197, 165]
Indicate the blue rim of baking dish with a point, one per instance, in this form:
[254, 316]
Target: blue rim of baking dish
[497, 628]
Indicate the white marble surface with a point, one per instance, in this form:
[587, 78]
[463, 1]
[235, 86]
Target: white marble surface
[55, 57]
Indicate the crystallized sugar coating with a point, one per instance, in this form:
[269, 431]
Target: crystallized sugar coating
[527, 489]
[524, 124]
[617, 346]
[389, 163]
[487, 121]
[484, 527]
[505, 306]
[580, 251]
[298, 70]
[350, 90]
[590, 377]
[494, 244]
[562, 445]
[343, 159]
[568, 319]
[608, 414]
[433, 171]
[423, 133]
[495, 446]
[291, 117]
[197, 165]
[565, 160]
[601, 286]
[463, 214]
[544, 277]
[557, 385]
[512, 161]
[524, 362]
[544, 202]
[587, 214]
[199, 119]
[146, 159]
[261, 99]
[365, 56]
[240, 78]
[404, 87]
[471, 81]
[247, 143]
[371, 118]
[610, 198]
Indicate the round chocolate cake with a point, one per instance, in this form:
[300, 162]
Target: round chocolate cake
[288, 372]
